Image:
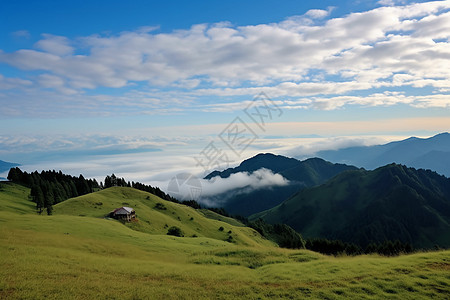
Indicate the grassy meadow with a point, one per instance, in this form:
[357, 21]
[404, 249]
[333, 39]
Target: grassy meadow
[77, 253]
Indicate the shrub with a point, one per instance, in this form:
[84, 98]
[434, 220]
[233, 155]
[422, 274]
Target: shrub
[175, 231]
[221, 228]
[160, 206]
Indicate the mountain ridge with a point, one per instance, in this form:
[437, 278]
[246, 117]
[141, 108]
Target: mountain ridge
[389, 203]
[5, 166]
[413, 152]
[300, 174]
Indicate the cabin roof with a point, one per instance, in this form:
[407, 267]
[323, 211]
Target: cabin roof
[123, 210]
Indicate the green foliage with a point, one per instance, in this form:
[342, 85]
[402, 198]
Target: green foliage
[175, 231]
[192, 203]
[363, 207]
[220, 211]
[221, 228]
[160, 206]
[282, 234]
[389, 248]
[51, 187]
[112, 180]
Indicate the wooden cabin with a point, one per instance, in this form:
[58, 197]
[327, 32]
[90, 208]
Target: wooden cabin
[123, 213]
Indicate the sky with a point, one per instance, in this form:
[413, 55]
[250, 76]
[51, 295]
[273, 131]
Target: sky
[149, 89]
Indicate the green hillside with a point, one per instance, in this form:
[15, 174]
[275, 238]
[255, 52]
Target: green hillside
[14, 198]
[68, 256]
[155, 215]
[390, 203]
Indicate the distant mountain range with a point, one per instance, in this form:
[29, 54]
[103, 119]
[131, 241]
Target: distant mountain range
[5, 166]
[431, 153]
[301, 174]
[389, 203]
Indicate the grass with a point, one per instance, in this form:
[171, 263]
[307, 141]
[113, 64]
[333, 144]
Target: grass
[67, 256]
[215, 216]
[156, 216]
[14, 198]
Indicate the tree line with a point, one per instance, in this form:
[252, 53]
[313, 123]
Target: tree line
[51, 187]
[113, 180]
[338, 247]
[286, 237]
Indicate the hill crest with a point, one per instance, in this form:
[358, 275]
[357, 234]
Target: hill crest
[156, 216]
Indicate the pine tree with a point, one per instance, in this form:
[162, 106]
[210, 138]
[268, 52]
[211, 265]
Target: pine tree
[39, 199]
[108, 182]
[73, 189]
[49, 210]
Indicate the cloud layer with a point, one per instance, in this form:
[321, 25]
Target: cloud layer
[308, 56]
[206, 191]
[244, 181]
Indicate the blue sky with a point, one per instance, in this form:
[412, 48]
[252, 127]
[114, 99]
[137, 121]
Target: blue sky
[165, 78]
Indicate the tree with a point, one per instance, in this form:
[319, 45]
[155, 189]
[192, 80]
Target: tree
[73, 189]
[39, 199]
[113, 180]
[49, 210]
[175, 231]
[15, 175]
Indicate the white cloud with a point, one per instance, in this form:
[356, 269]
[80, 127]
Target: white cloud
[55, 82]
[396, 46]
[7, 83]
[216, 191]
[58, 45]
[332, 103]
[310, 149]
[318, 13]
[262, 178]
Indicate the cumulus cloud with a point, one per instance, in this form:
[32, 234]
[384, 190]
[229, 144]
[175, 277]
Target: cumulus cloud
[53, 44]
[217, 190]
[318, 13]
[246, 182]
[307, 55]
